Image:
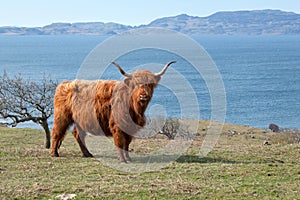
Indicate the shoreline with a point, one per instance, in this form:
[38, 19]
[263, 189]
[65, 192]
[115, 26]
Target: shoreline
[201, 122]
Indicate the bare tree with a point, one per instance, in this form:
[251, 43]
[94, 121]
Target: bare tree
[170, 127]
[25, 100]
[177, 128]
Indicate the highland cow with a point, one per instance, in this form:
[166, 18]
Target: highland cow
[109, 107]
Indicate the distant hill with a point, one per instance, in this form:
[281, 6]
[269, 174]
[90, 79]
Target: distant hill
[239, 22]
[255, 22]
[89, 28]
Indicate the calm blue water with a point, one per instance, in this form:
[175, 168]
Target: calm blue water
[261, 74]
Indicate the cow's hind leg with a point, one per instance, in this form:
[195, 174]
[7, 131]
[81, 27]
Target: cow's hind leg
[58, 134]
[80, 135]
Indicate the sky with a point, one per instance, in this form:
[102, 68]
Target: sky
[36, 13]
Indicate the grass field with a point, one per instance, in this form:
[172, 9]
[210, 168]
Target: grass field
[238, 167]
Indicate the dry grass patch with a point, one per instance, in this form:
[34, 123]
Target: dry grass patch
[239, 167]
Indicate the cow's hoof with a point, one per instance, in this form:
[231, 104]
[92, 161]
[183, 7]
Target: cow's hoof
[122, 162]
[89, 155]
[55, 155]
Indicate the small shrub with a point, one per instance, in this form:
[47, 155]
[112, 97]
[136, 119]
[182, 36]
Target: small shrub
[286, 137]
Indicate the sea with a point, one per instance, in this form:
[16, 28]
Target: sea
[260, 74]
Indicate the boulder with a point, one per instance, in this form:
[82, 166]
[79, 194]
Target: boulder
[274, 127]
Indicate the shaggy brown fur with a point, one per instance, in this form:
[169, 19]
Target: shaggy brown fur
[113, 108]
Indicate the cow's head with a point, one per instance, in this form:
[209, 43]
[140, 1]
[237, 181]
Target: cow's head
[142, 83]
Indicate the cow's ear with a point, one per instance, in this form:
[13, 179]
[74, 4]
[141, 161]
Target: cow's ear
[157, 78]
[127, 81]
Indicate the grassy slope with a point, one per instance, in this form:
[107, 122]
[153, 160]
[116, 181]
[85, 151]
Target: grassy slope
[238, 167]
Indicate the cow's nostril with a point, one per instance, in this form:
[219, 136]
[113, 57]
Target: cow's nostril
[143, 97]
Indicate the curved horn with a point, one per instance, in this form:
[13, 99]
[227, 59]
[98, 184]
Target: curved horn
[121, 70]
[164, 69]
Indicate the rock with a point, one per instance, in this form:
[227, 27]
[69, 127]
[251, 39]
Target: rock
[2, 124]
[66, 196]
[231, 132]
[274, 127]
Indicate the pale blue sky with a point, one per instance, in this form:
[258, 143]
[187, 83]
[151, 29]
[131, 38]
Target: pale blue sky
[130, 12]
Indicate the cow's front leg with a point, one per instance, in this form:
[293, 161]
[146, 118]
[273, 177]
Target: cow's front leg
[126, 152]
[121, 156]
[120, 143]
[126, 156]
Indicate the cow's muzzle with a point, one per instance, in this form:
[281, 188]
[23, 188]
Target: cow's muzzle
[144, 97]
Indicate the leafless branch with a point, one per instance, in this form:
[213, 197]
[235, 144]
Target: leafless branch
[23, 100]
